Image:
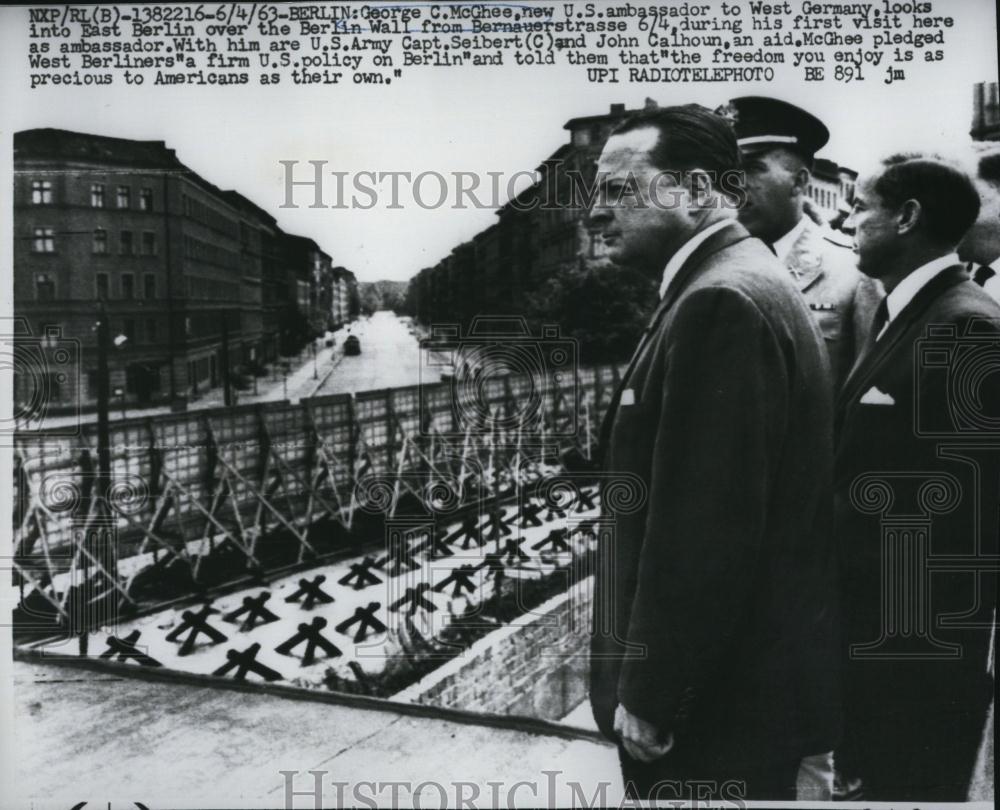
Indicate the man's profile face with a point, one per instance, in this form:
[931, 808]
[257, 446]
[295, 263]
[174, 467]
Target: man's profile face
[641, 212]
[981, 243]
[770, 208]
[876, 235]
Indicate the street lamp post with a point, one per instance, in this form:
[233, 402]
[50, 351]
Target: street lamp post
[104, 537]
[315, 368]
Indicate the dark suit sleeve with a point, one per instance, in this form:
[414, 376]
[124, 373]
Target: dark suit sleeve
[722, 425]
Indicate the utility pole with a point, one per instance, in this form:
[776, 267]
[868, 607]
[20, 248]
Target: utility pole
[227, 391]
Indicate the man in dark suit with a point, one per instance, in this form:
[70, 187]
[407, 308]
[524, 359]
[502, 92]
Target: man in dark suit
[779, 141]
[981, 245]
[714, 641]
[916, 470]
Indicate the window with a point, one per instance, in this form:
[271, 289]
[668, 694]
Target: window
[149, 286]
[124, 197]
[45, 287]
[102, 286]
[41, 192]
[128, 286]
[100, 241]
[148, 243]
[97, 195]
[146, 199]
[92, 381]
[151, 330]
[127, 247]
[43, 241]
[128, 329]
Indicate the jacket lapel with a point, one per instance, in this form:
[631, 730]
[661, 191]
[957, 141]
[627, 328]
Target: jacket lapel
[805, 261]
[898, 327]
[723, 238]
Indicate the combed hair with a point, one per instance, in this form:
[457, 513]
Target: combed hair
[988, 167]
[949, 202]
[691, 137]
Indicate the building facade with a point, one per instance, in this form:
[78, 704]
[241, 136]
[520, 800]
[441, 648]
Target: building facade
[195, 280]
[985, 112]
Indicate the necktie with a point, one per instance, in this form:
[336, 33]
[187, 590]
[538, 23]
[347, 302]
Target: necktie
[880, 320]
[983, 274]
[878, 323]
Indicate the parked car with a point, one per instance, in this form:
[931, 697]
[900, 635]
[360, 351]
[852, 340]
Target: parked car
[352, 345]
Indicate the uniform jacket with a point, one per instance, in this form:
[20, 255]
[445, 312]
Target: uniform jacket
[714, 613]
[842, 300]
[907, 410]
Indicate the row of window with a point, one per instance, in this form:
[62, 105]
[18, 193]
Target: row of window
[824, 197]
[43, 240]
[45, 286]
[41, 194]
[209, 288]
[129, 327]
[209, 216]
[208, 253]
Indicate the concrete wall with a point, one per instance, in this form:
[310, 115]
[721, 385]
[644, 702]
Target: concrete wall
[535, 666]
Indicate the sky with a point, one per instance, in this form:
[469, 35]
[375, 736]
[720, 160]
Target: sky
[497, 119]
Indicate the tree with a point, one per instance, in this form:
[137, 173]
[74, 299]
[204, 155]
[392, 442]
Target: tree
[602, 307]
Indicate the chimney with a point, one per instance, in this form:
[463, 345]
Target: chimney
[617, 109]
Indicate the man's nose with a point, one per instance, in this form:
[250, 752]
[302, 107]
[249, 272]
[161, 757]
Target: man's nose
[597, 217]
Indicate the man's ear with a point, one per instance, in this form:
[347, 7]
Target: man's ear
[701, 187]
[909, 216]
[800, 181]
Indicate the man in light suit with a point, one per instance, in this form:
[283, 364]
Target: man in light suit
[713, 654]
[779, 141]
[916, 423]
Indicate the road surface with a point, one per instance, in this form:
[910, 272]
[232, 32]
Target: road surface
[390, 358]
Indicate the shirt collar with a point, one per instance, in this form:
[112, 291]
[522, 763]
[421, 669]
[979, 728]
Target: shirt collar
[905, 291]
[676, 261]
[783, 246]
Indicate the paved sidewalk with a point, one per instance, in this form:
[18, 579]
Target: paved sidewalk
[89, 736]
[304, 378]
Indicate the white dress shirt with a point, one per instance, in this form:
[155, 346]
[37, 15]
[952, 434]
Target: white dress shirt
[905, 291]
[677, 260]
[783, 246]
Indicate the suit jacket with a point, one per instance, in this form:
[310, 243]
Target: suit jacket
[907, 410]
[842, 300]
[714, 613]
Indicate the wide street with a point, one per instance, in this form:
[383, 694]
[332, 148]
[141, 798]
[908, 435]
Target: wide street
[390, 358]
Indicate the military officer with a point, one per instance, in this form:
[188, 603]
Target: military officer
[778, 142]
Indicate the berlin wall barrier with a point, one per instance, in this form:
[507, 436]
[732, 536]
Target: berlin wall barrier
[202, 498]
